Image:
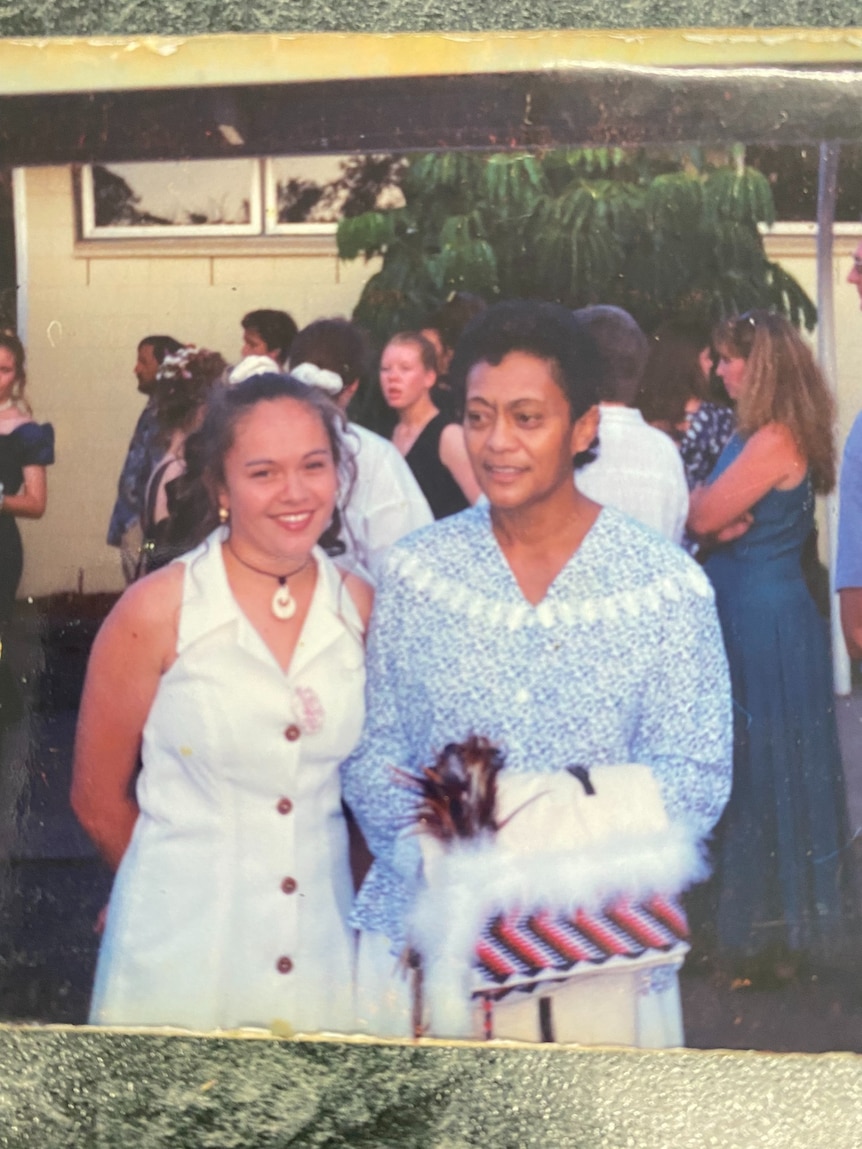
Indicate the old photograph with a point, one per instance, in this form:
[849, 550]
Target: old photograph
[430, 577]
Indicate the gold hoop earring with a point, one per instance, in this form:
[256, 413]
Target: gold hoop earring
[223, 514]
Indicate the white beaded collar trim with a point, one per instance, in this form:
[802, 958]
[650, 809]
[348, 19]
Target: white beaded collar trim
[611, 608]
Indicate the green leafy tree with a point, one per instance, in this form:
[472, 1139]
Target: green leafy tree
[658, 233]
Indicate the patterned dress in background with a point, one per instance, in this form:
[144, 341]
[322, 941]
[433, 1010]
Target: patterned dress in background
[706, 433]
[703, 440]
[145, 450]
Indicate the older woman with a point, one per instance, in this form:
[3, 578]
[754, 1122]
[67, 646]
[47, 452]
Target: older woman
[562, 631]
[237, 673]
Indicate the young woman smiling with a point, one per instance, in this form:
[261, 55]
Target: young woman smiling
[562, 631]
[237, 673]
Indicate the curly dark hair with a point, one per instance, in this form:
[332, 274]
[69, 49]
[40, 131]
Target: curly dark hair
[547, 331]
[276, 328]
[182, 386]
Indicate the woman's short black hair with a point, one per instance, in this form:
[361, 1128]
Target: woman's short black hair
[545, 330]
[277, 329]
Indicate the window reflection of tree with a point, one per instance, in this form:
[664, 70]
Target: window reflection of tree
[116, 202]
[365, 183]
[116, 205]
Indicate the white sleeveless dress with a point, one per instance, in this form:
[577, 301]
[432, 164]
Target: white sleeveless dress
[230, 905]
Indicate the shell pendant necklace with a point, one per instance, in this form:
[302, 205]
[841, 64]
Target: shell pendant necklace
[283, 605]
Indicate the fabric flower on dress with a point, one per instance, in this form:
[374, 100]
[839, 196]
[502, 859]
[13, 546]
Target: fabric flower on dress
[307, 709]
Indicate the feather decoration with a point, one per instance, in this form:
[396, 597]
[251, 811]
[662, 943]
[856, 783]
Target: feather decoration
[458, 794]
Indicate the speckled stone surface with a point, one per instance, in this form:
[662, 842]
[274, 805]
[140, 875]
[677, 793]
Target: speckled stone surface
[122, 17]
[92, 1091]
[70, 1089]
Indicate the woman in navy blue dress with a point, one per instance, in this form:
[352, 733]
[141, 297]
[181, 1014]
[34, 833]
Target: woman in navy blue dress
[26, 448]
[783, 884]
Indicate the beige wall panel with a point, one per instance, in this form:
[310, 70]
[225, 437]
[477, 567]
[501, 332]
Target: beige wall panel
[262, 273]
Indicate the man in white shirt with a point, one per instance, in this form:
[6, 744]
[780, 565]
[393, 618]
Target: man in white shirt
[638, 469]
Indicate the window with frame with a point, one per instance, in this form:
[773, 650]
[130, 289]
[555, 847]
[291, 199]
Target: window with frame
[286, 195]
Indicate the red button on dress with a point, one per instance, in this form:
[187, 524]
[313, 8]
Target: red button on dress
[284, 965]
[292, 732]
[288, 886]
[284, 805]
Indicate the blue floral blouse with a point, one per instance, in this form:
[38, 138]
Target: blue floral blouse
[703, 440]
[622, 661]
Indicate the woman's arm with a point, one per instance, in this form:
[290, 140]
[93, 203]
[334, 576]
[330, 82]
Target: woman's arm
[373, 777]
[850, 600]
[453, 456]
[769, 458]
[135, 646]
[685, 728]
[30, 501]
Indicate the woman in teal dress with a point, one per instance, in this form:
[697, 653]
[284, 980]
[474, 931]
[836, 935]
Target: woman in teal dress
[783, 887]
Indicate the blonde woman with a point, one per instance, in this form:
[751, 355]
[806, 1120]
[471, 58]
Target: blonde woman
[433, 448]
[782, 872]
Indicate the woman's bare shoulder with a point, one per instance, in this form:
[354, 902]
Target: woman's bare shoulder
[147, 613]
[773, 450]
[13, 421]
[360, 590]
[772, 437]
